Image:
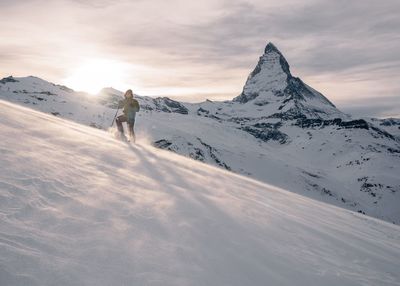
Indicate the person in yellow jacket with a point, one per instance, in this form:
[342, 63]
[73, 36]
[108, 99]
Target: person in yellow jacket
[130, 106]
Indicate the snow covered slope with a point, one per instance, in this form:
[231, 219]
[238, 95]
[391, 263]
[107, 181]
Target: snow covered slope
[279, 131]
[80, 208]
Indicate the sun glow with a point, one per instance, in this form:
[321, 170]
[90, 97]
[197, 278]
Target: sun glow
[95, 74]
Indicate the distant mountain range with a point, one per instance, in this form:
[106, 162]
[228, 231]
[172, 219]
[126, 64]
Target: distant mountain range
[278, 130]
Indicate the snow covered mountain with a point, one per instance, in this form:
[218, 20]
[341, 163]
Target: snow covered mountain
[278, 130]
[271, 83]
[81, 208]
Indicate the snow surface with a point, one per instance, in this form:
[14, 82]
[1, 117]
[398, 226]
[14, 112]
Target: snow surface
[78, 207]
[353, 168]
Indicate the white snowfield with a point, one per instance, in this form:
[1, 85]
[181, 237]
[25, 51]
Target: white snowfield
[78, 207]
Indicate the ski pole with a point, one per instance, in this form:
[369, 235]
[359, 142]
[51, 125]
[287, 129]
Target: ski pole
[115, 117]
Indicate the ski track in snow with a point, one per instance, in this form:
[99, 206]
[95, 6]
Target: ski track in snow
[80, 208]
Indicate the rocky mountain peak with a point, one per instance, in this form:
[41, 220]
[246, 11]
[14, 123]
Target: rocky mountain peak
[270, 47]
[272, 53]
[8, 79]
[270, 74]
[272, 84]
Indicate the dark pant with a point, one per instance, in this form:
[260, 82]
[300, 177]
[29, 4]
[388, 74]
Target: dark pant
[122, 118]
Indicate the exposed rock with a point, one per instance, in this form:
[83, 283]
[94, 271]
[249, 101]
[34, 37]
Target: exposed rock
[8, 79]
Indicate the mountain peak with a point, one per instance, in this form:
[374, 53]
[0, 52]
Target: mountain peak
[271, 74]
[273, 60]
[270, 47]
[272, 83]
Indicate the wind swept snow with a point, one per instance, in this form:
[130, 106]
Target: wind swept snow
[80, 208]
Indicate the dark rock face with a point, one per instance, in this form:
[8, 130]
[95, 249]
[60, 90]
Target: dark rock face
[261, 102]
[168, 105]
[284, 64]
[320, 123]
[341, 124]
[162, 144]
[291, 114]
[393, 151]
[213, 154]
[243, 98]
[298, 90]
[266, 133]
[382, 133]
[197, 154]
[202, 111]
[8, 79]
[390, 122]
[372, 188]
[268, 125]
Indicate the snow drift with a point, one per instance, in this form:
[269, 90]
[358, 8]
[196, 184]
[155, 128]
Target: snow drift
[80, 208]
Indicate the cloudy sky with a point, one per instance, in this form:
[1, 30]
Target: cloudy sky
[192, 50]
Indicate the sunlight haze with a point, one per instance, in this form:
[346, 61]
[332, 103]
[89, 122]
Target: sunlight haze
[91, 76]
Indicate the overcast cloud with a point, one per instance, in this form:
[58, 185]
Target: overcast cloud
[348, 50]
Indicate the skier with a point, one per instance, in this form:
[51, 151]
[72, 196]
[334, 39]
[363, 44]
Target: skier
[130, 107]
